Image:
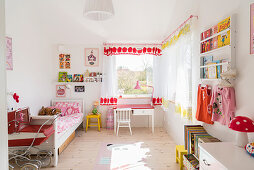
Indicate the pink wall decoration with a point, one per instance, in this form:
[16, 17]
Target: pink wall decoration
[252, 28]
[9, 59]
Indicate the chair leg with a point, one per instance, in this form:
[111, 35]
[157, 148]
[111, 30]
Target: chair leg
[99, 124]
[130, 128]
[117, 129]
[87, 123]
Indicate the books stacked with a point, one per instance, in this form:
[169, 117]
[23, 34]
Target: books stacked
[213, 70]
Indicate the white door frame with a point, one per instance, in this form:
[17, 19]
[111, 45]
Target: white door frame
[3, 113]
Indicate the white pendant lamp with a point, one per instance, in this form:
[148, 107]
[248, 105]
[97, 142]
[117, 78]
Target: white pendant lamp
[98, 10]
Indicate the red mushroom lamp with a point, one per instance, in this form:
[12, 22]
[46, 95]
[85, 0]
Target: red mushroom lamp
[242, 125]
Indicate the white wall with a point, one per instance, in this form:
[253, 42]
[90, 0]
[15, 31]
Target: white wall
[3, 115]
[32, 72]
[210, 14]
[92, 89]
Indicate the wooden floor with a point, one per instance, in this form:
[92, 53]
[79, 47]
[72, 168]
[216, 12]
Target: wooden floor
[82, 153]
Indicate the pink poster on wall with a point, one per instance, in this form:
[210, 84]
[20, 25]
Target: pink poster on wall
[252, 28]
[9, 59]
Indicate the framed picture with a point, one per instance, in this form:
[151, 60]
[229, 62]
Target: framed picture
[64, 61]
[60, 90]
[9, 59]
[62, 77]
[78, 78]
[252, 28]
[79, 88]
[92, 57]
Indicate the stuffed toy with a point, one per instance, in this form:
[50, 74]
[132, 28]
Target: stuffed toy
[49, 111]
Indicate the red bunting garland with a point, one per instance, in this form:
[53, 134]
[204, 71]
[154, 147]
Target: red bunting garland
[108, 51]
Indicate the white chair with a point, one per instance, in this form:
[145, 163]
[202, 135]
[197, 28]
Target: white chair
[123, 118]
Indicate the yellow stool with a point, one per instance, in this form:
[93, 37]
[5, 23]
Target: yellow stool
[180, 151]
[88, 122]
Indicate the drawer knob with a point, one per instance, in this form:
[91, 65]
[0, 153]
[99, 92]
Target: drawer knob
[205, 162]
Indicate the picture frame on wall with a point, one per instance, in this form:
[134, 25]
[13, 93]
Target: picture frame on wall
[92, 57]
[60, 91]
[79, 89]
[252, 28]
[9, 56]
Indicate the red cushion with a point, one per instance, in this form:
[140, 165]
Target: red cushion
[46, 129]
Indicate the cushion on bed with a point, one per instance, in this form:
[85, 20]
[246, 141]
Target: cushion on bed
[68, 108]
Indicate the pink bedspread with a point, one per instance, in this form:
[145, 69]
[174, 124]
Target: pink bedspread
[66, 122]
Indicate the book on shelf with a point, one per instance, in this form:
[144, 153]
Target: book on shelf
[218, 67]
[224, 39]
[206, 61]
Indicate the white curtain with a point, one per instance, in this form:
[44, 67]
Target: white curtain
[109, 80]
[183, 76]
[175, 73]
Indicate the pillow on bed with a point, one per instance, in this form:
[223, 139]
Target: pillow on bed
[68, 108]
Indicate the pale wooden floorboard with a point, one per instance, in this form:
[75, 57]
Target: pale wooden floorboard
[82, 152]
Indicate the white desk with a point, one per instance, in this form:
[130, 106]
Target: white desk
[140, 109]
[224, 156]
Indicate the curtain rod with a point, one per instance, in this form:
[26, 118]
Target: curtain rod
[131, 44]
[179, 27]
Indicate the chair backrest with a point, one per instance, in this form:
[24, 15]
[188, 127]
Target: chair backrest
[123, 115]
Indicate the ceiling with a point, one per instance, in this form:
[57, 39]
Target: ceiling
[134, 20]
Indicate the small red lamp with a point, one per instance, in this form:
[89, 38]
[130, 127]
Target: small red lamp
[138, 88]
[242, 125]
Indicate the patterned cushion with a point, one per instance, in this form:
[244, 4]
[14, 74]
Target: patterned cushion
[68, 108]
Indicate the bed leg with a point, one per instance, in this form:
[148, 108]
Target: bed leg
[55, 157]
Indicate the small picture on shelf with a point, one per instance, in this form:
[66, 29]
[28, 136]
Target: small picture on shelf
[62, 77]
[87, 73]
[212, 71]
[79, 88]
[69, 78]
[78, 78]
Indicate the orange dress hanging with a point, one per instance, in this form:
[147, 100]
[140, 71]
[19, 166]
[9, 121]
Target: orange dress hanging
[203, 111]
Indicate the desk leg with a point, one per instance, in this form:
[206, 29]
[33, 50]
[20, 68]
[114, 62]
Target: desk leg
[114, 121]
[153, 122]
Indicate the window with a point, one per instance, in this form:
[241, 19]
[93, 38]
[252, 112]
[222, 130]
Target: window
[133, 68]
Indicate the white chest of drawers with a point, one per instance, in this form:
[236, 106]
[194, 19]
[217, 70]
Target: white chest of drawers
[224, 156]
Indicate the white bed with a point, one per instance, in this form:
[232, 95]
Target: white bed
[58, 139]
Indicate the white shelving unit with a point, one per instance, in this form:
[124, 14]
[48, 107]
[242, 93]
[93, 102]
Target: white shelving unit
[223, 53]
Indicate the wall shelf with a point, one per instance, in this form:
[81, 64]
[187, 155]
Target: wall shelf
[224, 56]
[220, 64]
[214, 35]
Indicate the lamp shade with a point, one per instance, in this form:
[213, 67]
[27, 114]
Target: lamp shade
[137, 86]
[242, 124]
[98, 10]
